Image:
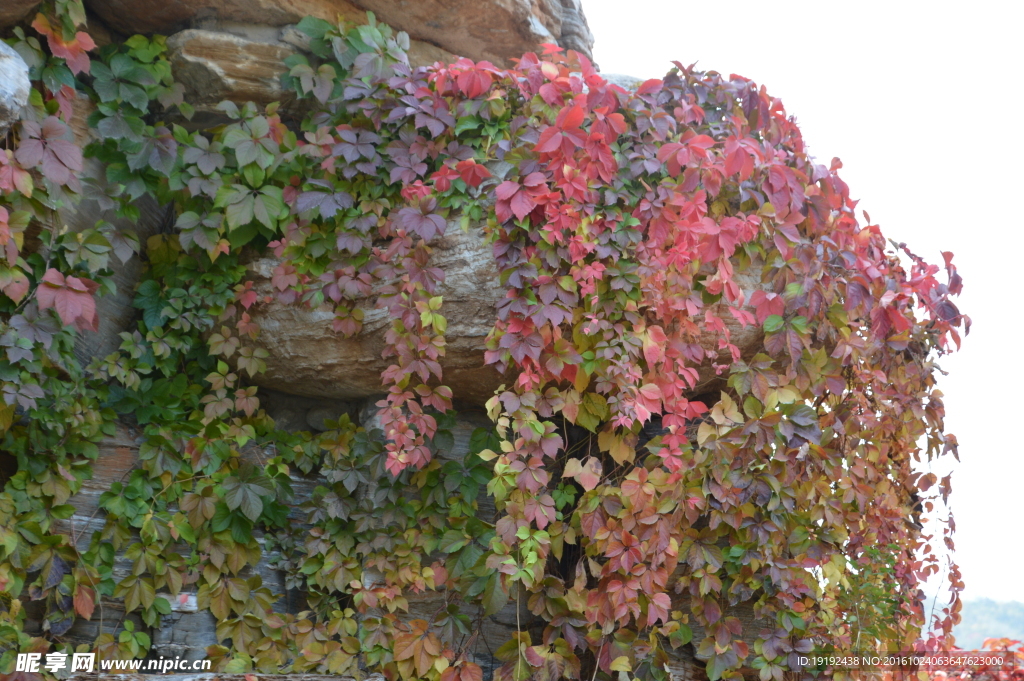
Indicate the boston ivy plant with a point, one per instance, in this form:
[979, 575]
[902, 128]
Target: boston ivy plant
[637, 234]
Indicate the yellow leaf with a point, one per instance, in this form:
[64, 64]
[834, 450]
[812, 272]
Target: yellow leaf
[493, 405]
[6, 417]
[705, 431]
[726, 412]
[615, 444]
[621, 664]
[582, 379]
[788, 395]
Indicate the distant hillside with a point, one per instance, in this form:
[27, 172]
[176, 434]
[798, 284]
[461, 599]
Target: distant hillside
[984, 618]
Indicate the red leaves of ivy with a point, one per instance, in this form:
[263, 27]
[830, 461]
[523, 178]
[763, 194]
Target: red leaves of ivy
[13, 282]
[690, 151]
[50, 147]
[421, 219]
[13, 176]
[472, 79]
[565, 134]
[472, 173]
[73, 51]
[71, 297]
[520, 199]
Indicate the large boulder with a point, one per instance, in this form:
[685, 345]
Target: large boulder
[215, 65]
[244, 63]
[308, 358]
[14, 86]
[15, 11]
[168, 16]
[497, 30]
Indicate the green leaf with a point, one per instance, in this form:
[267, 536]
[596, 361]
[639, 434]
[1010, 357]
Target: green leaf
[452, 541]
[314, 28]
[268, 206]
[773, 323]
[245, 496]
[494, 596]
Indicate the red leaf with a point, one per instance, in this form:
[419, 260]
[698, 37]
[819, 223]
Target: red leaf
[472, 172]
[522, 204]
[474, 83]
[570, 118]
[549, 140]
[285, 276]
[85, 601]
[506, 190]
[650, 87]
[73, 51]
[72, 298]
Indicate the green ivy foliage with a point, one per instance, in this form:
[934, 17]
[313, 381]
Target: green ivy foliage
[631, 514]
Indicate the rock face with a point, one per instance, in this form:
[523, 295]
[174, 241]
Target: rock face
[14, 11]
[115, 310]
[496, 30]
[14, 85]
[308, 358]
[168, 16]
[214, 66]
[244, 63]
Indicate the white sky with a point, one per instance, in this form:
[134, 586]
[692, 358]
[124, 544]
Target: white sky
[922, 102]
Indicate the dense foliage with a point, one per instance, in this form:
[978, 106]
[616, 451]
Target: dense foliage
[637, 233]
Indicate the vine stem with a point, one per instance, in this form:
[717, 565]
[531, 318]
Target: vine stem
[49, 259]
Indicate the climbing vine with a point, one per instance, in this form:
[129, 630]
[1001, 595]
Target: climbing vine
[651, 472]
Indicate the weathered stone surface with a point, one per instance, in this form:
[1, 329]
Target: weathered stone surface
[115, 310]
[308, 358]
[497, 30]
[575, 33]
[244, 63]
[14, 11]
[214, 65]
[14, 86]
[168, 16]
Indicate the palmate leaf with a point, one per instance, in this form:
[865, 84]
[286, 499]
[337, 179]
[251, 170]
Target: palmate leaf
[245, 495]
[13, 282]
[329, 203]
[71, 297]
[124, 242]
[159, 152]
[49, 146]
[89, 246]
[242, 205]
[116, 125]
[137, 592]
[252, 143]
[207, 157]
